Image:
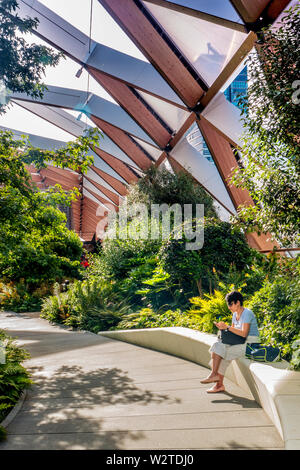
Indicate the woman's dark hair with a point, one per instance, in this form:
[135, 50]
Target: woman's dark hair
[234, 296]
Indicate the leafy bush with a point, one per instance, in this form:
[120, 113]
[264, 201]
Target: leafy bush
[209, 309]
[118, 257]
[87, 305]
[13, 376]
[48, 252]
[295, 361]
[148, 318]
[35, 243]
[21, 297]
[224, 247]
[277, 308]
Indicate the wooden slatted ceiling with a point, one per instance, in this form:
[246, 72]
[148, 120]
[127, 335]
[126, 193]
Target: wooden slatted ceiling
[125, 97]
[110, 194]
[117, 165]
[120, 138]
[102, 199]
[149, 40]
[53, 178]
[89, 215]
[62, 175]
[113, 182]
[76, 215]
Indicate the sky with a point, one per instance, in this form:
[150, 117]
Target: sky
[104, 30]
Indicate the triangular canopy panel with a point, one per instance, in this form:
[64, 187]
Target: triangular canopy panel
[189, 51]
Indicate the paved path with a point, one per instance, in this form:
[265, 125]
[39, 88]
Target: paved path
[93, 392]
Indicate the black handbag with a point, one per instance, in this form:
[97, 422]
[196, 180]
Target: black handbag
[227, 337]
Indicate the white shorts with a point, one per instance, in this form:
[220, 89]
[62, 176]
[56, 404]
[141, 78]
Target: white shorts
[230, 352]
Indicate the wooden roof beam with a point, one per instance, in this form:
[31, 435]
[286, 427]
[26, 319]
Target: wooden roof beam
[109, 194]
[125, 143]
[200, 14]
[138, 23]
[259, 13]
[226, 163]
[134, 105]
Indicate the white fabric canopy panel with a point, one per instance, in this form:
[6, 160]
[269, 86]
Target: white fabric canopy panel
[92, 175]
[94, 199]
[66, 121]
[173, 116]
[51, 144]
[220, 8]
[207, 46]
[203, 171]
[78, 46]
[226, 117]
[154, 152]
[36, 140]
[91, 105]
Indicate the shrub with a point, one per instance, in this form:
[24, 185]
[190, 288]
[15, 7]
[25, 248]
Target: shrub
[121, 256]
[13, 376]
[161, 186]
[88, 305]
[295, 361]
[277, 309]
[224, 247]
[209, 309]
[21, 297]
[56, 307]
[148, 318]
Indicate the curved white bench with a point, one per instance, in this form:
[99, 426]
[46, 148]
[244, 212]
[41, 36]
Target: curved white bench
[275, 388]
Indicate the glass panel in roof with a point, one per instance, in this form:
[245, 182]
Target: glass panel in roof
[207, 46]
[64, 74]
[220, 8]
[190, 153]
[226, 117]
[104, 29]
[154, 152]
[172, 115]
[24, 121]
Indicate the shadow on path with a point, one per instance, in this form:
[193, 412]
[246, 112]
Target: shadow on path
[62, 411]
[238, 400]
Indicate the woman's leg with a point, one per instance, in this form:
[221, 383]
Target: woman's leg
[219, 386]
[214, 376]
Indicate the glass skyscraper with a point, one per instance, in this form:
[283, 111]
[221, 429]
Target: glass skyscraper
[237, 88]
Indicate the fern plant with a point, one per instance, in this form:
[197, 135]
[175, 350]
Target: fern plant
[210, 308]
[13, 377]
[91, 305]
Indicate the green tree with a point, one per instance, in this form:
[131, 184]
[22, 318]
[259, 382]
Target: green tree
[34, 241]
[22, 65]
[224, 246]
[270, 151]
[161, 186]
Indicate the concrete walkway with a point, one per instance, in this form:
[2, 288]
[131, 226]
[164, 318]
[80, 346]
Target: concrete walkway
[92, 392]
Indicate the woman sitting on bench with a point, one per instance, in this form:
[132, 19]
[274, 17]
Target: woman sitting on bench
[243, 324]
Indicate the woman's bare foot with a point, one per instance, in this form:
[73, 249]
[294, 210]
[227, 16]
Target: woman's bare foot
[216, 389]
[211, 378]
